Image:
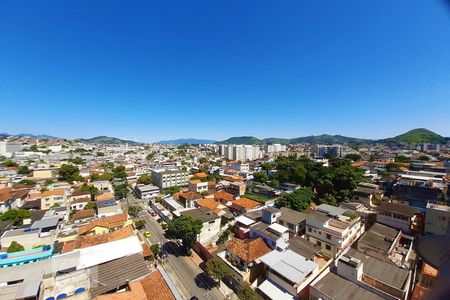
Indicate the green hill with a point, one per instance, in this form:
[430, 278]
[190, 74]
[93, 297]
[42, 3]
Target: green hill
[238, 140]
[328, 139]
[417, 136]
[107, 141]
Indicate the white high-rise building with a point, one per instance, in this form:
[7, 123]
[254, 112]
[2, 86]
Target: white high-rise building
[275, 148]
[240, 152]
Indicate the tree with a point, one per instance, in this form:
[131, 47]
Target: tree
[90, 205]
[9, 163]
[120, 190]
[144, 179]
[155, 249]
[172, 190]
[91, 189]
[261, 177]
[402, 159]
[353, 156]
[77, 161]
[100, 153]
[245, 292]
[23, 170]
[140, 224]
[15, 247]
[34, 148]
[119, 172]
[424, 158]
[298, 200]
[185, 229]
[224, 236]
[134, 210]
[16, 216]
[217, 269]
[328, 199]
[68, 173]
[150, 156]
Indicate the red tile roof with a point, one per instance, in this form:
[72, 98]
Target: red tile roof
[83, 214]
[107, 222]
[245, 203]
[248, 250]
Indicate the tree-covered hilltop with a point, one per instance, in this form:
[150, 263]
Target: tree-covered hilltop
[417, 136]
[107, 141]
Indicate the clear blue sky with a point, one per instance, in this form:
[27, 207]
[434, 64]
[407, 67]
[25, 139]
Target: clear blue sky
[215, 69]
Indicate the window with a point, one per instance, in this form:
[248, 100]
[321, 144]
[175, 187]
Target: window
[319, 244]
[328, 236]
[328, 247]
[309, 229]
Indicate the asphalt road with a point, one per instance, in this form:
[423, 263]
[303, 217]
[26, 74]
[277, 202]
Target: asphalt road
[187, 276]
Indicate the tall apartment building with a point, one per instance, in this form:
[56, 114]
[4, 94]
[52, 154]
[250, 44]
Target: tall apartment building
[323, 151]
[164, 178]
[240, 152]
[275, 148]
[333, 229]
[8, 148]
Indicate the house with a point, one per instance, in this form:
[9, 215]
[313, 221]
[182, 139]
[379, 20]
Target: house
[79, 203]
[241, 227]
[104, 197]
[276, 236]
[399, 216]
[50, 198]
[211, 224]
[294, 220]
[12, 199]
[26, 256]
[83, 215]
[146, 192]
[198, 186]
[236, 188]
[224, 197]
[387, 244]
[43, 173]
[368, 194]
[27, 237]
[287, 274]
[108, 208]
[104, 186]
[333, 229]
[241, 257]
[215, 206]
[188, 199]
[79, 195]
[106, 224]
[243, 205]
[263, 190]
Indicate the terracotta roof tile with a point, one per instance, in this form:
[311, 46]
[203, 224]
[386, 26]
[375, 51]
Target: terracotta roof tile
[201, 175]
[107, 222]
[245, 203]
[248, 250]
[223, 196]
[209, 203]
[83, 214]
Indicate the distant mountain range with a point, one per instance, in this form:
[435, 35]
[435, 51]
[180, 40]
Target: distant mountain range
[37, 136]
[107, 140]
[415, 136]
[190, 141]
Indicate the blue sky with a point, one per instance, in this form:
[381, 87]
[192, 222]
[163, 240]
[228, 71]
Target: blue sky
[148, 70]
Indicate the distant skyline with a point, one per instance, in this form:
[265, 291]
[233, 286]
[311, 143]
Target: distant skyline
[215, 69]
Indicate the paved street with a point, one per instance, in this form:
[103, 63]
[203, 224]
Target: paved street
[188, 276]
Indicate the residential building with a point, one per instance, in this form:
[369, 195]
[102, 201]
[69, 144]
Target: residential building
[399, 216]
[146, 192]
[43, 173]
[79, 203]
[368, 194]
[211, 224]
[242, 258]
[25, 256]
[437, 218]
[166, 178]
[189, 199]
[50, 198]
[198, 186]
[108, 208]
[275, 148]
[8, 148]
[224, 197]
[236, 188]
[287, 274]
[294, 220]
[327, 151]
[333, 229]
[275, 236]
[243, 205]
